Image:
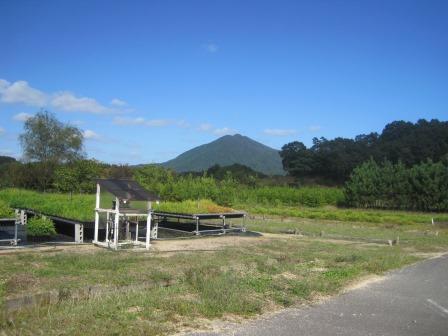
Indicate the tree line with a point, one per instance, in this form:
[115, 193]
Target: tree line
[332, 161]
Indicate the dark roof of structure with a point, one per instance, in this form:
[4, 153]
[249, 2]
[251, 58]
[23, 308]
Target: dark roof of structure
[127, 189]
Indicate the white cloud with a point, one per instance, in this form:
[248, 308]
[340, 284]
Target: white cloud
[183, 124]
[128, 121]
[315, 128]
[2, 130]
[122, 121]
[22, 117]
[205, 127]
[224, 131]
[3, 85]
[21, 92]
[211, 47]
[209, 128]
[158, 122]
[279, 132]
[91, 135]
[67, 101]
[118, 102]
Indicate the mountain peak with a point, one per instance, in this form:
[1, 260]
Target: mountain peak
[230, 136]
[228, 150]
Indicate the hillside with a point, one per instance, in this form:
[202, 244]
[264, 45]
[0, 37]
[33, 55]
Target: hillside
[6, 159]
[226, 151]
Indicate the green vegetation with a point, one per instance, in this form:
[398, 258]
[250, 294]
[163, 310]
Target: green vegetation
[40, 226]
[393, 186]
[50, 142]
[289, 196]
[6, 159]
[332, 161]
[5, 210]
[200, 206]
[81, 207]
[229, 192]
[352, 215]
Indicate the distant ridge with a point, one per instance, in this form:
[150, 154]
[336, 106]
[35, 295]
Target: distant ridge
[228, 150]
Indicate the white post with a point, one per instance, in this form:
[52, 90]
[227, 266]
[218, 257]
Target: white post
[128, 231]
[148, 230]
[15, 233]
[148, 227]
[107, 226]
[136, 230]
[117, 219]
[97, 215]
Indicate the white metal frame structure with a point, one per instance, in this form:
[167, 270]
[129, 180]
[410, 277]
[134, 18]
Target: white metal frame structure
[116, 218]
[20, 219]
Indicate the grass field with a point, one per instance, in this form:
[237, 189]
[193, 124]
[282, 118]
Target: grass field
[239, 280]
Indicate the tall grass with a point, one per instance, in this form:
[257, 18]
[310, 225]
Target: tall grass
[229, 192]
[305, 196]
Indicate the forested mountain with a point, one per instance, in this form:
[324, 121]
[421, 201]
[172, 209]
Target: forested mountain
[6, 159]
[226, 151]
[399, 141]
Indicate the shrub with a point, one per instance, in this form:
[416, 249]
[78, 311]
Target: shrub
[393, 186]
[40, 226]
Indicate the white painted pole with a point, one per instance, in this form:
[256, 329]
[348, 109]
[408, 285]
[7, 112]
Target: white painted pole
[136, 230]
[148, 230]
[107, 226]
[117, 219]
[148, 226]
[15, 233]
[97, 215]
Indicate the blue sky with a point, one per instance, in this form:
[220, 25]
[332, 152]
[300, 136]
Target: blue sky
[147, 80]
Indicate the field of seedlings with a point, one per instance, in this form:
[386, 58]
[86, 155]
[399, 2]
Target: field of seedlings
[81, 207]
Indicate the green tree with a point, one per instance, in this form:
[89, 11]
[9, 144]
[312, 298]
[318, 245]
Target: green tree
[50, 142]
[297, 160]
[78, 176]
